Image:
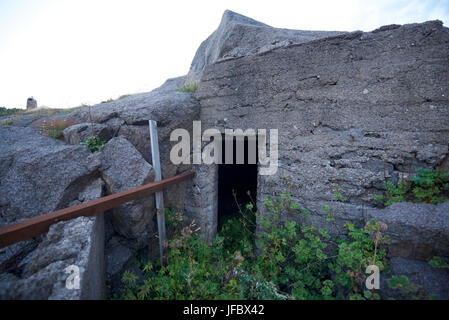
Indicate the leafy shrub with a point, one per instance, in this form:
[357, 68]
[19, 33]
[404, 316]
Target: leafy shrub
[438, 262]
[287, 261]
[189, 87]
[6, 112]
[409, 290]
[429, 184]
[426, 186]
[55, 127]
[94, 144]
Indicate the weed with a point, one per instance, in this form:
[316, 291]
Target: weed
[426, 186]
[94, 144]
[189, 87]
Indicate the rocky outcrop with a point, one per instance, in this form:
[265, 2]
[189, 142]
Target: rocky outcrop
[128, 117]
[39, 175]
[238, 36]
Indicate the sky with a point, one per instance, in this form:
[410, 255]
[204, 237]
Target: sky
[71, 52]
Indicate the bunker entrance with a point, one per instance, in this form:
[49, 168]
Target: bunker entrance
[236, 180]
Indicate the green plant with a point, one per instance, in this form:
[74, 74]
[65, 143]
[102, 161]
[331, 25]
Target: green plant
[396, 193]
[7, 123]
[288, 260]
[189, 87]
[55, 127]
[94, 143]
[7, 112]
[426, 186]
[124, 96]
[429, 184]
[106, 101]
[438, 262]
[409, 290]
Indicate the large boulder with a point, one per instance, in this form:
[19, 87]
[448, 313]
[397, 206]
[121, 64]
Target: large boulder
[39, 175]
[128, 117]
[81, 132]
[77, 244]
[239, 36]
[123, 168]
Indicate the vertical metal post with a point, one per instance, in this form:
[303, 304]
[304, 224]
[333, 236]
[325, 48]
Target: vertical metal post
[159, 195]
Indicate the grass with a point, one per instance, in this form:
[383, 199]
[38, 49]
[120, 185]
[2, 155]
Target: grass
[54, 128]
[7, 123]
[189, 87]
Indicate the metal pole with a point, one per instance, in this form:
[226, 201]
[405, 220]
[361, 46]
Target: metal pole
[159, 195]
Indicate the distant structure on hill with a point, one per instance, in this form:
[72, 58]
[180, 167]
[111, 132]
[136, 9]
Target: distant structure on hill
[31, 103]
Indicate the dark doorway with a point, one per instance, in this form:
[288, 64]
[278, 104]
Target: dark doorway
[236, 179]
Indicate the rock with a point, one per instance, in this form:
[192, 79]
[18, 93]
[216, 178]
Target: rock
[173, 84]
[81, 132]
[129, 117]
[166, 107]
[239, 36]
[417, 231]
[39, 175]
[77, 242]
[123, 168]
[117, 256]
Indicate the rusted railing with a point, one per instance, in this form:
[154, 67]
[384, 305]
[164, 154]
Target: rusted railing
[35, 226]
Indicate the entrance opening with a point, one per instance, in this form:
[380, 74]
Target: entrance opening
[235, 181]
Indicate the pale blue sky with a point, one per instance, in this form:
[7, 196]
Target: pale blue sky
[69, 52]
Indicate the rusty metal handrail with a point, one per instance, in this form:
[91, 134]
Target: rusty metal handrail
[38, 225]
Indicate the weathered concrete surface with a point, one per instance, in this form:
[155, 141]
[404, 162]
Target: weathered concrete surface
[417, 231]
[348, 108]
[239, 36]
